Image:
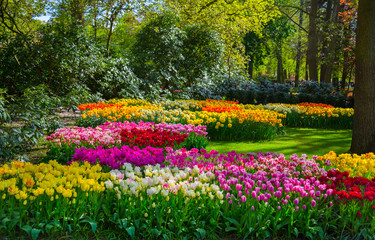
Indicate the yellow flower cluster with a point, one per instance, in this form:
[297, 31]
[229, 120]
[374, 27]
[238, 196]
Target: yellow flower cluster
[130, 102]
[26, 181]
[115, 113]
[309, 111]
[356, 165]
[185, 111]
[220, 119]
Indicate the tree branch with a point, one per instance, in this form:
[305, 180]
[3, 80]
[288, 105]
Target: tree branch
[207, 5]
[295, 7]
[291, 19]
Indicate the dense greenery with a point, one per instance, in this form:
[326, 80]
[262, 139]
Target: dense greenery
[24, 121]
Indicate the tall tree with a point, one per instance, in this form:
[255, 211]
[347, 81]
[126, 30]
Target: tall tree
[17, 16]
[348, 19]
[277, 31]
[312, 48]
[363, 139]
[330, 40]
[326, 42]
[256, 49]
[112, 9]
[231, 19]
[299, 45]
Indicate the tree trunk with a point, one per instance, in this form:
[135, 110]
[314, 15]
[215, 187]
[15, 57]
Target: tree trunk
[326, 43]
[250, 68]
[96, 13]
[312, 48]
[280, 70]
[110, 35]
[78, 11]
[306, 70]
[363, 139]
[345, 70]
[299, 46]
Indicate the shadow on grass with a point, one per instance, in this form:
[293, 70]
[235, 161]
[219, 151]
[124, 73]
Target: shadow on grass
[296, 140]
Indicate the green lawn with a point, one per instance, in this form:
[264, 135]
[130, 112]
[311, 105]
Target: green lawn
[297, 140]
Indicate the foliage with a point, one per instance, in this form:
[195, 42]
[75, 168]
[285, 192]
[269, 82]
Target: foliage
[17, 16]
[311, 91]
[59, 58]
[171, 57]
[116, 79]
[69, 63]
[24, 120]
[266, 91]
[231, 19]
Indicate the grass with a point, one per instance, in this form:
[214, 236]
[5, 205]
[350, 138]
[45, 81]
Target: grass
[296, 140]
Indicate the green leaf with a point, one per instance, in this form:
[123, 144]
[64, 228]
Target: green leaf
[229, 229]
[136, 223]
[49, 227]
[27, 229]
[35, 233]
[131, 231]
[123, 223]
[165, 236]
[201, 231]
[5, 221]
[234, 221]
[282, 224]
[92, 223]
[155, 232]
[251, 229]
[296, 232]
[106, 210]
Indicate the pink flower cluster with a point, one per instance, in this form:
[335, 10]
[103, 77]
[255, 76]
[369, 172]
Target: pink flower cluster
[108, 134]
[260, 176]
[116, 157]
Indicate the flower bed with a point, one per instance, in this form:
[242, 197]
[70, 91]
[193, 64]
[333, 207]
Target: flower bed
[314, 115]
[197, 194]
[356, 165]
[64, 142]
[241, 122]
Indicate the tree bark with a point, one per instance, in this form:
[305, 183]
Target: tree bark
[363, 138]
[312, 50]
[112, 21]
[306, 70]
[78, 11]
[250, 67]
[110, 32]
[280, 70]
[345, 70]
[326, 43]
[299, 46]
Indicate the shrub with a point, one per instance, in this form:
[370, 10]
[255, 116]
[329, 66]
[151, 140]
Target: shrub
[24, 120]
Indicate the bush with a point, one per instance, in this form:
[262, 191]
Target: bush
[24, 120]
[171, 57]
[69, 63]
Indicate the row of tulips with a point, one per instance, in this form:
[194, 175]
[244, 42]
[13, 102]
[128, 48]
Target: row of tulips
[195, 194]
[152, 137]
[314, 115]
[356, 165]
[114, 158]
[63, 143]
[225, 120]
